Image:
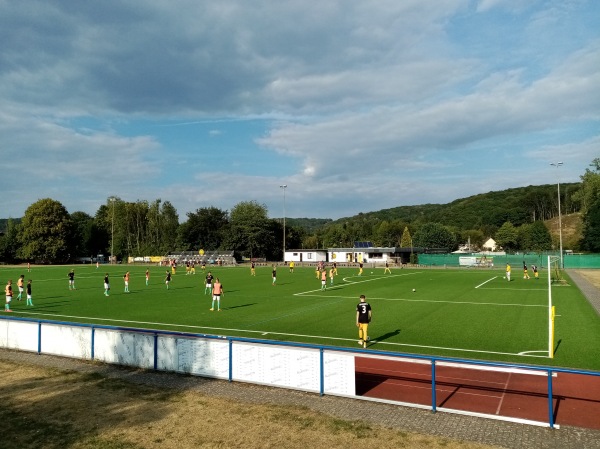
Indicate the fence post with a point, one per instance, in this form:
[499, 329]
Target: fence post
[155, 351]
[433, 393]
[230, 360]
[39, 337]
[322, 373]
[550, 401]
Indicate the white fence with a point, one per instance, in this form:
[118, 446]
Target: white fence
[282, 365]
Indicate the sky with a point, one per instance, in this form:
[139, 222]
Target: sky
[354, 105]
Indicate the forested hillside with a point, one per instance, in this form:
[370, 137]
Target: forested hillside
[492, 209]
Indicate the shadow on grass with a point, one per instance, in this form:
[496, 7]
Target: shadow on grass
[241, 305]
[557, 346]
[387, 336]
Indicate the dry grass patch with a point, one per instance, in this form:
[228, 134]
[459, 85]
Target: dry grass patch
[48, 408]
[592, 276]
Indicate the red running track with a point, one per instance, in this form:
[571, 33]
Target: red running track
[576, 398]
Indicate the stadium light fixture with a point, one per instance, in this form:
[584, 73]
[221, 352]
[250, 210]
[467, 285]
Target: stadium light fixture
[283, 187]
[558, 164]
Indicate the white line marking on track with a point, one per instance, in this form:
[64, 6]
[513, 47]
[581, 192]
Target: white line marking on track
[503, 394]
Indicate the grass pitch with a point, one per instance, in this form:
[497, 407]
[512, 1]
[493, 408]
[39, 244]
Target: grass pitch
[466, 313]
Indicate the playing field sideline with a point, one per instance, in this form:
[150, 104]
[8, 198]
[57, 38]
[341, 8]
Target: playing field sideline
[469, 313]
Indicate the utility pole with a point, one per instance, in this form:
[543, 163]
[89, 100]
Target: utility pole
[283, 187]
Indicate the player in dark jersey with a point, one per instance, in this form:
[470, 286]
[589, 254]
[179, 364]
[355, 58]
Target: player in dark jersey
[168, 279]
[363, 318]
[106, 284]
[28, 290]
[208, 285]
[72, 280]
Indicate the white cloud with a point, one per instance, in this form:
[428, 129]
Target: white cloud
[103, 98]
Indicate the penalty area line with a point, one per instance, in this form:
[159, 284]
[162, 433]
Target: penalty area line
[483, 283]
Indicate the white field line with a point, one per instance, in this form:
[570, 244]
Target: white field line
[518, 289]
[131, 322]
[421, 300]
[350, 282]
[483, 283]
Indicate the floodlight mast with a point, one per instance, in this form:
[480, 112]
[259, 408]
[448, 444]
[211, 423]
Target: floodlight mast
[558, 164]
[112, 199]
[283, 187]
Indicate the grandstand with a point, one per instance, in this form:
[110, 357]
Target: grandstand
[218, 257]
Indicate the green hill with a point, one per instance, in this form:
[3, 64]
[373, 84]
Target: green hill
[520, 205]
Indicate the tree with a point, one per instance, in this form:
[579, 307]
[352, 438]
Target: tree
[9, 242]
[203, 229]
[249, 232]
[474, 236]
[534, 237]
[82, 234]
[590, 186]
[45, 233]
[385, 234]
[406, 240]
[507, 236]
[591, 228]
[434, 235]
[169, 223]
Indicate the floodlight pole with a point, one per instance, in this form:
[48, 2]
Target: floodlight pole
[283, 187]
[558, 164]
[112, 228]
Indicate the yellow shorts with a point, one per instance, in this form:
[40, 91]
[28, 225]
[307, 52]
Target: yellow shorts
[363, 330]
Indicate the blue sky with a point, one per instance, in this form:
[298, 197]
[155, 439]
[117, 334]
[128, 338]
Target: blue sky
[355, 105]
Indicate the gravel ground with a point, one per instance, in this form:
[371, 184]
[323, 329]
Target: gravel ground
[458, 427]
[590, 291]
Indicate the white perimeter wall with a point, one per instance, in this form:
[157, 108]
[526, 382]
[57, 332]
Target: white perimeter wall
[254, 362]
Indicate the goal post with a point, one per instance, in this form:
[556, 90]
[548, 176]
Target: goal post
[554, 275]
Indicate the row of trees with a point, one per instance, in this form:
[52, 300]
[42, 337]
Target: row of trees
[48, 233]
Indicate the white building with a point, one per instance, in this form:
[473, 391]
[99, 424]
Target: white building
[490, 245]
[305, 255]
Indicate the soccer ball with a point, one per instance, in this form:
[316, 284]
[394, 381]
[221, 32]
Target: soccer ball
[371, 272]
[414, 289]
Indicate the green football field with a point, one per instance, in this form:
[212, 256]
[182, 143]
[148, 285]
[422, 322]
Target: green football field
[465, 313]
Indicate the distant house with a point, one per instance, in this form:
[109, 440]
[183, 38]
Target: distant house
[490, 245]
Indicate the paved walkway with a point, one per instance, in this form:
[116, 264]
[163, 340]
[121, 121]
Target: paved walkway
[458, 427]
